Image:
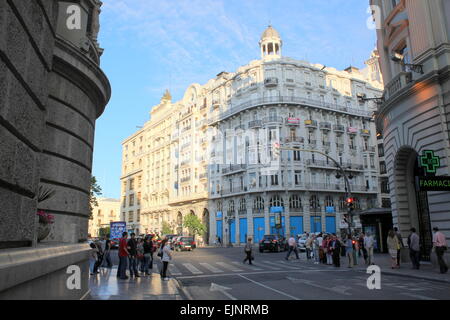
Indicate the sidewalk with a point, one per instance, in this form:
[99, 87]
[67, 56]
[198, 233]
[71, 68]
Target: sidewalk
[426, 272]
[106, 286]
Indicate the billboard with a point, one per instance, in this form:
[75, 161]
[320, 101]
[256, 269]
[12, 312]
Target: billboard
[117, 228]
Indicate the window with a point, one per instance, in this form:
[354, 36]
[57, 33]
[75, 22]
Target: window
[242, 204]
[383, 167]
[231, 207]
[295, 202]
[274, 180]
[329, 202]
[314, 202]
[276, 201]
[258, 203]
[385, 186]
[131, 200]
[296, 155]
[130, 216]
[138, 215]
[298, 177]
[139, 198]
[131, 184]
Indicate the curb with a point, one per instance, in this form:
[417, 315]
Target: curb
[183, 292]
[391, 273]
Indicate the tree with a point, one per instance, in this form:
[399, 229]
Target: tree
[166, 229]
[96, 190]
[194, 225]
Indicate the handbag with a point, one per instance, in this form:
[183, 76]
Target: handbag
[160, 253]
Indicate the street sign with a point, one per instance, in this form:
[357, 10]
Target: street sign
[438, 183]
[117, 228]
[429, 161]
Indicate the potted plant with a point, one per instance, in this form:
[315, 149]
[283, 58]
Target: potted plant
[45, 219]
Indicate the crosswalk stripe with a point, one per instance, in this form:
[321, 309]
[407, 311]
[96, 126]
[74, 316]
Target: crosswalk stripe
[271, 265]
[210, 267]
[246, 266]
[174, 270]
[191, 268]
[289, 265]
[229, 267]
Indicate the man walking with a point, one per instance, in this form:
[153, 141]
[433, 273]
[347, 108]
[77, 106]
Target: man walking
[400, 240]
[106, 255]
[123, 256]
[368, 244]
[335, 247]
[132, 249]
[440, 246]
[248, 251]
[308, 246]
[414, 248]
[292, 247]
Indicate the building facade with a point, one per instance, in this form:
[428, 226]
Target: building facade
[107, 211]
[414, 47]
[300, 106]
[52, 91]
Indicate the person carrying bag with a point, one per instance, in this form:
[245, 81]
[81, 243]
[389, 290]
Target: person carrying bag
[248, 251]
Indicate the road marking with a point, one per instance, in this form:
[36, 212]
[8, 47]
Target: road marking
[270, 265]
[229, 267]
[174, 270]
[191, 268]
[267, 287]
[247, 266]
[417, 296]
[338, 289]
[289, 265]
[216, 287]
[210, 267]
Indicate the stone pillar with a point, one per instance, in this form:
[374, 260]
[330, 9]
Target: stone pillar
[249, 204]
[306, 213]
[287, 221]
[266, 214]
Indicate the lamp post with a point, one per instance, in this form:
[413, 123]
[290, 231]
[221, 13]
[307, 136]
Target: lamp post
[346, 180]
[229, 220]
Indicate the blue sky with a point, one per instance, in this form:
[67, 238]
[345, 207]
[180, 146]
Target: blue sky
[151, 45]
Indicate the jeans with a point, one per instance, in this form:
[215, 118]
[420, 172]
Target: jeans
[329, 258]
[336, 258]
[107, 259]
[292, 248]
[370, 259]
[148, 262]
[164, 269]
[248, 257]
[308, 253]
[316, 255]
[398, 257]
[133, 266]
[92, 262]
[440, 255]
[415, 258]
[349, 254]
[122, 270]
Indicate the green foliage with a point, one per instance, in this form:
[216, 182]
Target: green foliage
[96, 190]
[102, 232]
[166, 229]
[194, 225]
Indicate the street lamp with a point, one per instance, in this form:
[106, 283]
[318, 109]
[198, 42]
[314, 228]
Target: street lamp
[363, 98]
[400, 58]
[229, 220]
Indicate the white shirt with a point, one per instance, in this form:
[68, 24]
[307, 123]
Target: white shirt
[166, 253]
[291, 242]
[368, 242]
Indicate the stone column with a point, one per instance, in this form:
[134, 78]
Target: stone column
[306, 213]
[287, 221]
[266, 214]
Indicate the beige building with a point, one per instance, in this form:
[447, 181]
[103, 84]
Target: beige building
[107, 211]
[414, 46]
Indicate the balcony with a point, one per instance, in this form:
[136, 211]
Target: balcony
[273, 119]
[185, 162]
[185, 179]
[326, 144]
[338, 128]
[326, 126]
[312, 143]
[321, 163]
[293, 121]
[253, 86]
[294, 140]
[184, 146]
[311, 124]
[271, 82]
[369, 149]
[340, 146]
[402, 80]
[365, 132]
[186, 129]
[203, 176]
[255, 124]
[234, 168]
[175, 136]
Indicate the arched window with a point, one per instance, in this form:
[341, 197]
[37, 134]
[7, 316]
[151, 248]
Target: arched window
[231, 206]
[258, 203]
[329, 201]
[342, 203]
[295, 202]
[276, 201]
[219, 205]
[242, 204]
[314, 202]
[270, 49]
[357, 203]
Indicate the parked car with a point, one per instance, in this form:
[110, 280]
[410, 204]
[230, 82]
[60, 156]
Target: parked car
[114, 244]
[273, 243]
[302, 242]
[185, 243]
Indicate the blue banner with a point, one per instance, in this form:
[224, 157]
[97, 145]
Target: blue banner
[329, 209]
[276, 209]
[117, 228]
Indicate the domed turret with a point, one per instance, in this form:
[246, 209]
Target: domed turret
[270, 44]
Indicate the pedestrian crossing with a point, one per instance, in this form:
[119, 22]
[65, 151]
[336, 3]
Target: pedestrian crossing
[222, 267]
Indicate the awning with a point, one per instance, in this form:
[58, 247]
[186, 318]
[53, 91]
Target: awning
[373, 211]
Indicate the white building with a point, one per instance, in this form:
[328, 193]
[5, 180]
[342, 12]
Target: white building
[107, 211]
[304, 106]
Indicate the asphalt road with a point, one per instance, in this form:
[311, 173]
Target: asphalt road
[219, 274]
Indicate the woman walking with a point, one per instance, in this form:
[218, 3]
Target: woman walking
[248, 251]
[349, 250]
[329, 251]
[393, 245]
[166, 257]
[140, 255]
[316, 245]
[148, 256]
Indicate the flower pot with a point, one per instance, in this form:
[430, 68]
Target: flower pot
[43, 231]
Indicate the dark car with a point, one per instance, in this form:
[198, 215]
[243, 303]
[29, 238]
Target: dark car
[114, 244]
[185, 243]
[273, 243]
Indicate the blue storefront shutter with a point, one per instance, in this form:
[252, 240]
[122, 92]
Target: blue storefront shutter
[258, 229]
[243, 230]
[330, 224]
[296, 226]
[219, 231]
[233, 231]
[316, 224]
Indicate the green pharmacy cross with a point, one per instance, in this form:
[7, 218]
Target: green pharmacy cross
[429, 161]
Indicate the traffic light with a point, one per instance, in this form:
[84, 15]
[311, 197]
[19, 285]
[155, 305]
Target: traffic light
[350, 203]
[276, 147]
